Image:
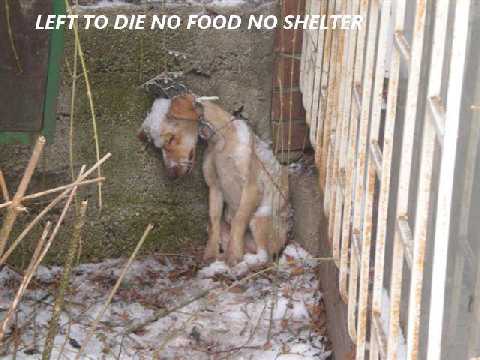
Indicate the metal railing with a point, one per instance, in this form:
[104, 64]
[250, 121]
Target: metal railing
[357, 87]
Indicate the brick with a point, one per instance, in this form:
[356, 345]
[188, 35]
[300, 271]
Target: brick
[293, 7]
[288, 41]
[281, 109]
[296, 131]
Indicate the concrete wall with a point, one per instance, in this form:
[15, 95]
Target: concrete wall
[234, 65]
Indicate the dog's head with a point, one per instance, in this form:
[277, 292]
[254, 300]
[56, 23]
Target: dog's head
[172, 126]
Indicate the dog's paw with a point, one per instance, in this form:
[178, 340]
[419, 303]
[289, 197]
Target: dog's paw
[233, 258]
[210, 255]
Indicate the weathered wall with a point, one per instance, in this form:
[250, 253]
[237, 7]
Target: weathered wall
[234, 65]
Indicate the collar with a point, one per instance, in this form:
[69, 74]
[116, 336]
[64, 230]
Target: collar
[211, 129]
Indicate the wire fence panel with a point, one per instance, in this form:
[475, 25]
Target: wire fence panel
[385, 107]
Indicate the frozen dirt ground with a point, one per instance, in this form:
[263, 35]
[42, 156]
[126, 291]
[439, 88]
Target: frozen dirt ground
[189, 312]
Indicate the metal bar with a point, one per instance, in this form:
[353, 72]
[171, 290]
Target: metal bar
[378, 340]
[405, 166]
[425, 177]
[376, 155]
[365, 188]
[346, 98]
[326, 168]
[437, 110]
[353, 287]
[341, 141]
[447, 171]
[318, 81]
[362, 9]
[406, 238]
[341, 130]
[384, 195]
[402, 45]
[321, 124]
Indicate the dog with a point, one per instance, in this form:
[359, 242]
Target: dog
[248, 187]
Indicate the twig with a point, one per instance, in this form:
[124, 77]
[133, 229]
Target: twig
[38, 255]
[10, 36]
[165, 312]
[112, 293]
[3, 185]
[90, 99]
[55, 190]
[47, 209]
[12, 213]
[72, 107]
[67, 270]
[67, 335]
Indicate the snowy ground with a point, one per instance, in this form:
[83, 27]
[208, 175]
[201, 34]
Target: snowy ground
[234, 320]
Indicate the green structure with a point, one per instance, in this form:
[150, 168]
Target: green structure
[29, 71]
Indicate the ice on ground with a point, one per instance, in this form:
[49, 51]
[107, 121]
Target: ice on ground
[211, 313]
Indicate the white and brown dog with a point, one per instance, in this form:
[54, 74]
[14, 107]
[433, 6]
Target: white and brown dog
[240, 170]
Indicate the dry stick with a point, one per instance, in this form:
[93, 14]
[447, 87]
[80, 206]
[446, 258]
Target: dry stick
[10, 36]
[67, 270]
[90, 99]
[47, 209]
[3, 185]
[32, 267]
[11, 215]
[165, 312]
[72, 107]
[112, 292]
[67, 336]
[55, 190]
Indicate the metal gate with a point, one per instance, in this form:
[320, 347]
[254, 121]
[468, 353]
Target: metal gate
[385, 107]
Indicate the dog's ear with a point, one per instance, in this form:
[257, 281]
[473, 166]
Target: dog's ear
[183, 108]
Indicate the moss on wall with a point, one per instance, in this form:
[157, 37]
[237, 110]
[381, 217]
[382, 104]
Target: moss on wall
[235, 66]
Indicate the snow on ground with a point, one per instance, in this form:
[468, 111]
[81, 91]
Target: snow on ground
[234, 320]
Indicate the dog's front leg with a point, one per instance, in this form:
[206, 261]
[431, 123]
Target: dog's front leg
[215, 200]
[248, 204]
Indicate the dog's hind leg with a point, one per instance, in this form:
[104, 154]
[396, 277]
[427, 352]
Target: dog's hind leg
[261, 228]
[240, 221]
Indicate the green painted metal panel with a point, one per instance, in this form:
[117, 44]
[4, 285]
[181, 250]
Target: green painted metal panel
[29, 71]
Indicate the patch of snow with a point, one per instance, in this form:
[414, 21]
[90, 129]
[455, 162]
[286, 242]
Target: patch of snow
[257, 259]
[231, 321]
[264, 210]
[152, 124]
[217, 267]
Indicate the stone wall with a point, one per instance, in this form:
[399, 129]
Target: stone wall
[234, 65]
